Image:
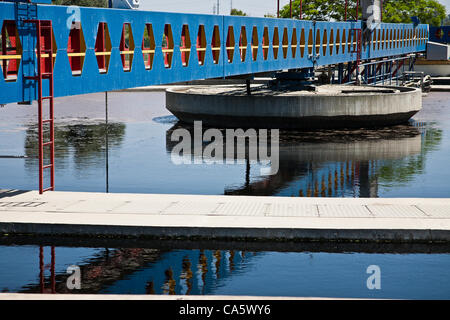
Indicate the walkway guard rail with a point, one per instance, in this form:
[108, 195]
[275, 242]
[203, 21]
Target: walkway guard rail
[97, 49]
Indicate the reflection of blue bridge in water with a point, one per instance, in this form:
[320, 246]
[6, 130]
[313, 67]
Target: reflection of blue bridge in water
[192, 272]
[144, 271]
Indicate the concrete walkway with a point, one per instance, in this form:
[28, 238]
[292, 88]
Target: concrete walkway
[224, 217]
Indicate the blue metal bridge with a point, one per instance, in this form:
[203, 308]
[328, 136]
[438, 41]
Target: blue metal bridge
[98, 49]
[53, 51]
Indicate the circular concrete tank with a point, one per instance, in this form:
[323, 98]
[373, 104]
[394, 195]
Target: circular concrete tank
[329, 106]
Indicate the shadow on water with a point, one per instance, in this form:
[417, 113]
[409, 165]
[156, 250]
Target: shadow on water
[326, 163]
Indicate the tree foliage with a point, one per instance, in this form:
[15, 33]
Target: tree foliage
[321, 10]
[269, 15]
[82, 3]
[395, 11]
[236, 12]
[401, 11]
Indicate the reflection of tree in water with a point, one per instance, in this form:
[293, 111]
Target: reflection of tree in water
[85, 142]
[403, 171]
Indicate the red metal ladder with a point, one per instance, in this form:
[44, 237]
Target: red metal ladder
[44, 53]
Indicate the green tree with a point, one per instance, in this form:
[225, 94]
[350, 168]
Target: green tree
[321, 10]
[395, 11]
[82, 3]
[236, 12]
[401, 11]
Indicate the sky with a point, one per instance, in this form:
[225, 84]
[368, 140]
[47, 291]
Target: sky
[447, 4]
[255, 8]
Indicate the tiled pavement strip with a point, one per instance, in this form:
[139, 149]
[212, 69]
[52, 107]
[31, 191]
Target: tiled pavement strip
[224, 216]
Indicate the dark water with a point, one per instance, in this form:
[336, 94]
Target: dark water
[302, 270]
[402, 161]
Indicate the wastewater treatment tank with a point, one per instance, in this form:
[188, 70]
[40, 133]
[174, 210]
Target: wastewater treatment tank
[322, 107]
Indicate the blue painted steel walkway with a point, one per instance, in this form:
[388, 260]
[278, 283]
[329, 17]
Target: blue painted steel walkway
[107, 49]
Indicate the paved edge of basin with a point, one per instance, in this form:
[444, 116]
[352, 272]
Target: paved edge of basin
[195, 217]
[248, 234]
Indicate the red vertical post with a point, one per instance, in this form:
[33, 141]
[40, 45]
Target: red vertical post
[228, 44]
[198, 46]
[40, 123]
[144, 47]
[346, 9]
[10, 27]
[74, 46]
[278, 9]
[53, 275]
[166, 47]
[381, 9]
[290, 8]
[183, 46]
[41, 269]
[240, 45]
[51, 113]
[100, 46]
[301, 9]
[357, 10]
[4, 52]
[123, 47]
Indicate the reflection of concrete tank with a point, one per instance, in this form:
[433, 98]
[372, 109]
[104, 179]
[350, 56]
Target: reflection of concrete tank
[309, 159]
[125, 4]
[294, 146]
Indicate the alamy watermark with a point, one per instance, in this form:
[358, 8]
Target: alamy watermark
[374, 280]
[214, 146]
[74, 280]
[74, 13]
[374, 16]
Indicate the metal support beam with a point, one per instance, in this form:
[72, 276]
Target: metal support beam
[249, 90]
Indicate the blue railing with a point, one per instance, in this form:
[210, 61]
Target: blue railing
[161, 48]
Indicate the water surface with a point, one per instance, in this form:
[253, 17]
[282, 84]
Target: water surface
[402, 161]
